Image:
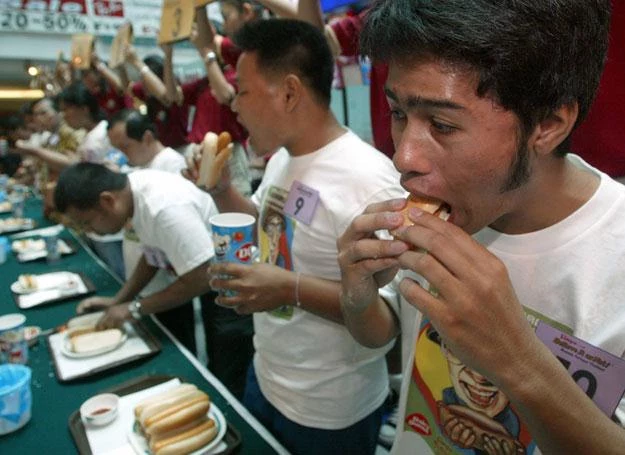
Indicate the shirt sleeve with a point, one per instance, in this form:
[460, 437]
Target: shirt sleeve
[137, 90]
[347, 31]
[191, 90]
[184, 238]
[230, 53]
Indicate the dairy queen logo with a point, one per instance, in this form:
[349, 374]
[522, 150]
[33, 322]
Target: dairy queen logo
[244, 254]
[419, 423]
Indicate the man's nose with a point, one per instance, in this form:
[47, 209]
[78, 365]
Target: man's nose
[412, 150]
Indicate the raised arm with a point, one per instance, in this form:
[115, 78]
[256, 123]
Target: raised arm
[151, 82]
[203, 38]
[107, 73]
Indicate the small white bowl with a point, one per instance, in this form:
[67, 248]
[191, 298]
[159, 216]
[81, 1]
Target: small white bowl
[100, 409]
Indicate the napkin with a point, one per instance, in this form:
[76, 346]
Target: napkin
[68, 368]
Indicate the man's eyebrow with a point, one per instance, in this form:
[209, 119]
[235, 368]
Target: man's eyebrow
[414, 102]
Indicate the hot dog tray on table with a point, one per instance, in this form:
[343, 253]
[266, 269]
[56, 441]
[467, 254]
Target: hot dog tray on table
[125, 434]
[29, 290]
[78, 351]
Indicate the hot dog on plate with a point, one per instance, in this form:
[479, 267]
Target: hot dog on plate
[176, 421]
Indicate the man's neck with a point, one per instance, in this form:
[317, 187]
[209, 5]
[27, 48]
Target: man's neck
[315, 133]
[557, 189]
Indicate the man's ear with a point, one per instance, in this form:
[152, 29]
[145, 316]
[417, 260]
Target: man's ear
[552, 131]
[107, 201]
[292, 86]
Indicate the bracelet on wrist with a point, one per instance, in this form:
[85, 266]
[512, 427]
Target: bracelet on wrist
[145, 69]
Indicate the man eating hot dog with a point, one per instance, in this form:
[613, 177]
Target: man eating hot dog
[524, 281]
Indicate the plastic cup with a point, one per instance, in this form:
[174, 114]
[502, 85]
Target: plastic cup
[233, 236]
[13, 344]
[15, 397]
[52, 247]
[17, 204]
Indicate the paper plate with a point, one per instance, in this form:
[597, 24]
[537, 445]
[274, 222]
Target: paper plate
[66, 348]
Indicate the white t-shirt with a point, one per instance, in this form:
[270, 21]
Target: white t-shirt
[167, 160]
[569, 277]
[171, 218]
[95, 146]
[309, 368]
[94, 149]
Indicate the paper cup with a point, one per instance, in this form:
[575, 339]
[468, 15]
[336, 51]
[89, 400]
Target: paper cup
[15, 397]
[233, 236]
[13, 345]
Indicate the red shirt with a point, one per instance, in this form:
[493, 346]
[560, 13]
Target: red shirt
[171, 122]
[210, 115]
[230, 53]
[347, 31]
[110, 101]
[600, 139]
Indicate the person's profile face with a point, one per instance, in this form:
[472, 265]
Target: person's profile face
[451, 144]
[73, 115]
[97, 220]
[92, 82]
[257, 105]
[46, 118]
[129, 147]
[233, 19]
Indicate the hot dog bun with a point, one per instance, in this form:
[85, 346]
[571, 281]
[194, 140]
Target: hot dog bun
[187, 441]
[216, 151]
[176, 421]
[427, 204]
[28, 282]
[86, 340]
[162, 397]
[152, 412]
[177, 415]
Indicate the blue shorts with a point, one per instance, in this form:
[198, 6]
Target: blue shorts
[359, 439]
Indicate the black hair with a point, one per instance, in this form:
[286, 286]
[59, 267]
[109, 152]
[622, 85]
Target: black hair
[80, 185]
[156, 65]
[101, 80]
[531, 56]
[76, 94]
[136, 123]
[291, 46]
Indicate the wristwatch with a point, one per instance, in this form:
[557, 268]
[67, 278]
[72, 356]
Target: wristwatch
[135, 309]
[210, 57]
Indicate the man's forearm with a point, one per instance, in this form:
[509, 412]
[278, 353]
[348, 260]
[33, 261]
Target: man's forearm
[374, 326]
[56, 160]
[561, 418]
[139, 279]
[230, 200]
[185, 288]
[310, 11]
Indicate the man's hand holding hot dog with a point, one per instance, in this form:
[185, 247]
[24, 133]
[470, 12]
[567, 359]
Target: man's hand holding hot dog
[368, 263]
[475, 305]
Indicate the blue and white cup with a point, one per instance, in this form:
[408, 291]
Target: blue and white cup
[15, 397]
[233, 238]
[13, 344]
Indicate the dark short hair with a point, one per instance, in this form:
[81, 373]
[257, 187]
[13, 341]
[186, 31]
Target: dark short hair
[155, 63]
[291, 46]
[77, 94]
[531, 56]
[136, 123]
[80, 185]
